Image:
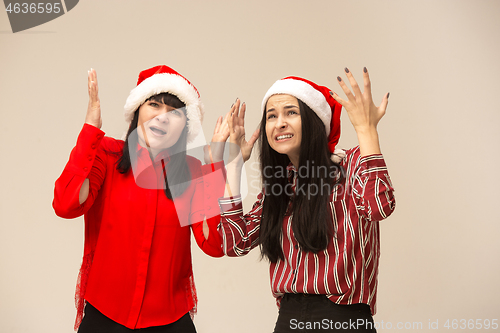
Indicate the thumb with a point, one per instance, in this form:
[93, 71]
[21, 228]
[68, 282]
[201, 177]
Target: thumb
[254, 137]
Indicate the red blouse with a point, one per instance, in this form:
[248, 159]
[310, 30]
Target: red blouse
[136, 268]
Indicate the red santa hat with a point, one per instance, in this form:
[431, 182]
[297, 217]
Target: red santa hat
[319, 99]
[163, 79]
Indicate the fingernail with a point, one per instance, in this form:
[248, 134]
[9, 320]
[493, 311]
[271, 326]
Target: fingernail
[365, 70]
[346, 70]
[331, 93]
[388, 95]
[339, 78]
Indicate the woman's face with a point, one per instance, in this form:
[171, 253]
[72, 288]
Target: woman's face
[284, 126]
[159, 125]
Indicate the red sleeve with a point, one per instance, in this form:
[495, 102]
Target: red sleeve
[87, 160]
[210, 187]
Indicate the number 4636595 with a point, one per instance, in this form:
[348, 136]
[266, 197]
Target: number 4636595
[471, 324]
[33, 8]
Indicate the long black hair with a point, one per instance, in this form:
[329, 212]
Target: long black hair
[311, 224]
[178, 169]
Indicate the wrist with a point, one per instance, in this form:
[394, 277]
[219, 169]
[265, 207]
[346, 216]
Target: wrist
[369, 130]
[368, 142]
[91, 123]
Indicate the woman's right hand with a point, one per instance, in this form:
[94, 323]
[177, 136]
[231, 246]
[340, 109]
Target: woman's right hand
[94, 109]
[236, 122]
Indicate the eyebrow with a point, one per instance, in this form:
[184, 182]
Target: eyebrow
[286, 107]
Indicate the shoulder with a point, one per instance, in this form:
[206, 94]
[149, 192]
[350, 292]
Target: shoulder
[351, 156]
[112, 145]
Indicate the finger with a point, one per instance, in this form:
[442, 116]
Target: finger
[241, 118]
[89, 79]
[254, 137]
[96, 84]
[217, 124]
[346, 89]
[230, 121]
[337, 98]
[352, 81]
[226, 119]
[367, 91]
[242, 111]
[236, 107]
[383, 105]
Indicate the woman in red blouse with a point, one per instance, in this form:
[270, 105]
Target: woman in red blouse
[317, 217]
[141, 199]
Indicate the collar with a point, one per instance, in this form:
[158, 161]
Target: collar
[143, 159]
[291, 170]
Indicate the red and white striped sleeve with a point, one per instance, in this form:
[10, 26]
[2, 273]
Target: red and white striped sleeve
[240, 233]
[372, 188]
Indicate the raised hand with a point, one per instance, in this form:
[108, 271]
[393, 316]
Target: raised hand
[363, 113]
[236, 123]
[215, 151]
[94, 108]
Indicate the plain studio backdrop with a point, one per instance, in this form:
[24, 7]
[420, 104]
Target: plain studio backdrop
[438, 59]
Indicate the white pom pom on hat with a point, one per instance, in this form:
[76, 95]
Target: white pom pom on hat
[163, 79]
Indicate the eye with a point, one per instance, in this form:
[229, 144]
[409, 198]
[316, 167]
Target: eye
[154, 104]
[292, 112]
[270, 116]
[175, 112]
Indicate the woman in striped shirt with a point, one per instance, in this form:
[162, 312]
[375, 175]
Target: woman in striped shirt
[317, 217]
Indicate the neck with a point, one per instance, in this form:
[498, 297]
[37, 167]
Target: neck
[294, 160]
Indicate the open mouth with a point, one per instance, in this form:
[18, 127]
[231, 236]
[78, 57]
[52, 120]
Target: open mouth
[157, 131]
[284, 137]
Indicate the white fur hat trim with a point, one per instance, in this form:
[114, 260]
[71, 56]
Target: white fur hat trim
[176, 85]
[307, 94]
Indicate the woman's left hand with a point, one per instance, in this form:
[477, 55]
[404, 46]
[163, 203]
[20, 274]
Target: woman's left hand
[363, 113]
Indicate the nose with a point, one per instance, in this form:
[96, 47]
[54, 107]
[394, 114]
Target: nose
[281, 122]
[162, 116]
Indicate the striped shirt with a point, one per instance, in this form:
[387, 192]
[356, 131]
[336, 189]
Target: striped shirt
[346, 271]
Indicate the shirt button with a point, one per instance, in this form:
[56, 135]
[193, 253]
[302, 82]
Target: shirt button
[90, 158]
[93, 146]
[296, 247]
[207, 183]
[85, 169]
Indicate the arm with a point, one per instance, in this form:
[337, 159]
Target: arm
[87, 164]
[84, 173]
[372, 188]
[240, 233]
[240, 149]
[210, 187]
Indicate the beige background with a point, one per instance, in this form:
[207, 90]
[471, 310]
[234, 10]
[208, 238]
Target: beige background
[438, 59]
